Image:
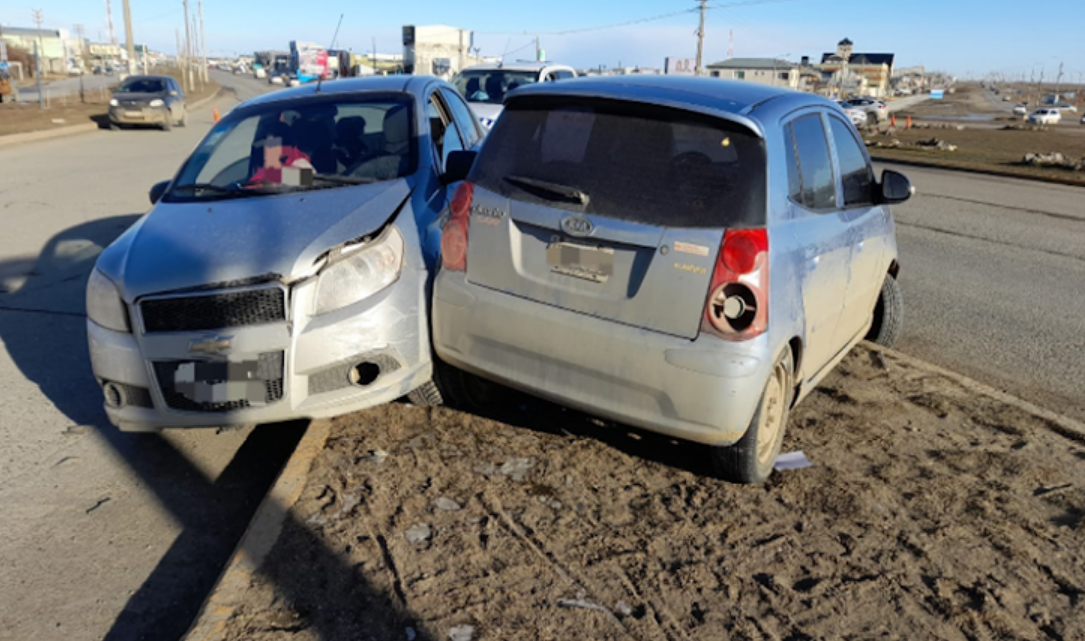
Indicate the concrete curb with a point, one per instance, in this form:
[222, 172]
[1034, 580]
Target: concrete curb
[11, 140]
[259, 538]
[1053, 180]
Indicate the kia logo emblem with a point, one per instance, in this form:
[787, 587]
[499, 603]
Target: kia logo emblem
[577, 226]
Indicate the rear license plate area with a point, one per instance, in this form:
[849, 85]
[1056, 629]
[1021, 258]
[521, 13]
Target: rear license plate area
[580, 260]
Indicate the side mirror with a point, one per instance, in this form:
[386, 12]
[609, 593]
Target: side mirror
[158, 190]
[458, 165]
[896, 188]
[173, 93]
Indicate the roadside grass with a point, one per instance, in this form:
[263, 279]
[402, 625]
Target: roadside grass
[992, 150]
[67, 110]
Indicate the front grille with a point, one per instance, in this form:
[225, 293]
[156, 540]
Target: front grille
[214, 311]
[269, 369]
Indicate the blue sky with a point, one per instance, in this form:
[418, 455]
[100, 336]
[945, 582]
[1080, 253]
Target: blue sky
[959, 37]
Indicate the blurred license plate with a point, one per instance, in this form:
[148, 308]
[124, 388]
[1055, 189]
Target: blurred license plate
[133, 114]
[581, 261]
[220, 382]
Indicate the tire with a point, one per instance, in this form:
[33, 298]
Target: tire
[167, 124]
[184, 118]
[466, 391]
[114, 126]
[751, 459]
[428, 395]
[888, 314]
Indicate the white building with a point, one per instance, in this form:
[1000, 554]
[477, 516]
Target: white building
[764, 71]
[437, 50]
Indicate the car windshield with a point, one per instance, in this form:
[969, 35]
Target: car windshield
[629, 161]
[490, 85]
[302, 145]
[142, 85]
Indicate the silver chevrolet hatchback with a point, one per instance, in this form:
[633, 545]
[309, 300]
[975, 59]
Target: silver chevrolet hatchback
[690, 256]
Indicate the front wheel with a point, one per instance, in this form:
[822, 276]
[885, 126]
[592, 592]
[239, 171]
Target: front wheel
[466, 391]
[752, 458]
[184, 118]
[888, 314]
[167, 124]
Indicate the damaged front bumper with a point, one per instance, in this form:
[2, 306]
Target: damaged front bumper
[262, 366]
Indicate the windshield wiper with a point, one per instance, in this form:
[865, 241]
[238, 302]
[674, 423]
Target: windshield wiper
[248, 190]
[343, 180]
[563, 191]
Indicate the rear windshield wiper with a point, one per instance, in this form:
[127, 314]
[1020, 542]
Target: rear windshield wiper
[563, 191]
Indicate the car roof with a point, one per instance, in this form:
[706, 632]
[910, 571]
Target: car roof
[148, 77]
[515, 66]
[734, 97]
[385, 84]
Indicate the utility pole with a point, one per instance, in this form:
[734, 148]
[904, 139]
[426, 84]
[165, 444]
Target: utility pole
[82, 60]
[538, 50]
[700, 40]
[203, 43]
[194, 50]
[109, 22]
[129, 42]
[188, 47]
[38, 19]
[180, 58]
[1058, 84]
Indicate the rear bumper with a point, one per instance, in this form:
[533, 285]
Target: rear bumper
[705, 390]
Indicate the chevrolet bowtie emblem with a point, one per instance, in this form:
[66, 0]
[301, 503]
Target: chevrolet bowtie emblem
[210, 345]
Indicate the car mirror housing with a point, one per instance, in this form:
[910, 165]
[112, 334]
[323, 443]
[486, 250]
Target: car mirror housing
[895, 187]
[173, 93]
[458, 166]
[158, 190]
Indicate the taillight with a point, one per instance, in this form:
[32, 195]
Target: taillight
[454, 232]
[738, 301]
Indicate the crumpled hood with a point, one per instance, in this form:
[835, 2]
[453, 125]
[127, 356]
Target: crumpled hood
[188, 245]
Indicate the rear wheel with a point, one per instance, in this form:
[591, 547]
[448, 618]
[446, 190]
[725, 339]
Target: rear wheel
[467, 391]
[752, 458]
[888, 314]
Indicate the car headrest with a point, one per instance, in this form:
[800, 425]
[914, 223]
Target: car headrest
[397, 128]
[350, 129]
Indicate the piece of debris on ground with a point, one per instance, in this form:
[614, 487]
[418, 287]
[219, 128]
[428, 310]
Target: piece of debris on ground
[931, 512]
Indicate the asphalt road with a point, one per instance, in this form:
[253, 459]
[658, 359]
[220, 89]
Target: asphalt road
[103, 535]
[107, 535]
[993, 275]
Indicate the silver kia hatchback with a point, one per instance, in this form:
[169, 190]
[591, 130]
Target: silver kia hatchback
[686, 255]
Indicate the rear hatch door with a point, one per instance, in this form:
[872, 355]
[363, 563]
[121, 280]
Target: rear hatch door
[611, 209]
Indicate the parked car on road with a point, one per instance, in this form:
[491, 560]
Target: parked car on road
[695, 277]
[485, 85]
[857, 115]
[148, 100]
[875, 109]
[284, 272]
[1045, 116]
[1020, 110]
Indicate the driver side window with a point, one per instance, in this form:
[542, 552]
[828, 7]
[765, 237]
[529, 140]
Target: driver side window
[446, 137]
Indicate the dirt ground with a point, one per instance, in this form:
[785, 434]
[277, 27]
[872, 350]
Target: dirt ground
[68, 111]
[929, 513]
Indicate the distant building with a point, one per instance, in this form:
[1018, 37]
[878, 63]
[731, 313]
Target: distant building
[57, 48]
[437, 50]
[861, 73]
[764, 71]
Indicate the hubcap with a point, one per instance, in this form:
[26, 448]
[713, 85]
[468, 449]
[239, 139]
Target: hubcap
[771, 421]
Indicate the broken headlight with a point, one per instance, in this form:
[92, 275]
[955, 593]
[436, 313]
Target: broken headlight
[352, 275]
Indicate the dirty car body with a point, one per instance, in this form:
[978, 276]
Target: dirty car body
[647, 249]
[283, 273]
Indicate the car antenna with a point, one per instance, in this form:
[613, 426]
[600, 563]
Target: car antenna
[330, 48]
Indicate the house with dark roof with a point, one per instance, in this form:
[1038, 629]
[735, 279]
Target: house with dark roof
[864, 73]
[765, 71]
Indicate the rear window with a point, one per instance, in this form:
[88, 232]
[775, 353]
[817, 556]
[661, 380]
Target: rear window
[639, 163]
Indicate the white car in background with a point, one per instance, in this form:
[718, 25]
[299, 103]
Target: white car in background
[1020, 110]
[484, 86]
[1046, 116]
[857, 115]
